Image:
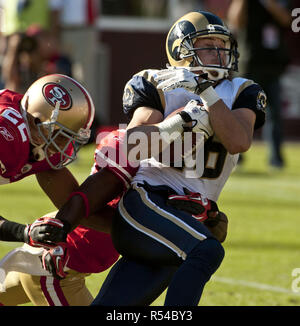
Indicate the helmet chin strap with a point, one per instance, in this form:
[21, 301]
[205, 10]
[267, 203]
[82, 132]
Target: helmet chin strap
[215, 73]
[38, 150]
[54, 116]
[55, 112]
[24, 115]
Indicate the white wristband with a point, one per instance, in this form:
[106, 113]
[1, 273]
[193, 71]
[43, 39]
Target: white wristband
[209, 97]
[171, 128]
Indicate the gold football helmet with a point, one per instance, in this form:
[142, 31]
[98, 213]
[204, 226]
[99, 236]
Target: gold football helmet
[200, 24]
[64, 112]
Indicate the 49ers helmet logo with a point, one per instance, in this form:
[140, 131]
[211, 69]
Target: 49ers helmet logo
[56, 93]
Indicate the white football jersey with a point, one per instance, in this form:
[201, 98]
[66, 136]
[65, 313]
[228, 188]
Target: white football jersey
[217, 162]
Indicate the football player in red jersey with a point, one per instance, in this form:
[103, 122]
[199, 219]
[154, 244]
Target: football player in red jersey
[83, 254]
[153, 236]
[40, 133]
[88, 251]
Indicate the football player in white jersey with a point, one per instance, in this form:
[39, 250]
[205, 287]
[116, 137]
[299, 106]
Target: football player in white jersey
[162, 242]
[148, 232]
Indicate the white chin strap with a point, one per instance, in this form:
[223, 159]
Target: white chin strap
[213, 73]
[39, 150]
[54, 116]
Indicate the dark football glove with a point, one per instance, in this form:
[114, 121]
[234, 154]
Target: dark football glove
[195, 204]
[46, 232]
[204, 210]
[55, 260]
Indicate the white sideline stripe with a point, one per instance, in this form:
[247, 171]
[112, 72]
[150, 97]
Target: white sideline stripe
[255, 285]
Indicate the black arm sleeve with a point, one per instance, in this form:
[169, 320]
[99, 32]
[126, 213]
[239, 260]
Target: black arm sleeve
[140, 92]
[254, 98]
[12, 231]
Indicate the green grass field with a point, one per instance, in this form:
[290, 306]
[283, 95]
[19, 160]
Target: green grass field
[262, 247]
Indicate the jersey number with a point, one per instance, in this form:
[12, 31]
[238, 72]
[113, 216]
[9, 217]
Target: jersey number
[214, 159]
[14, 117]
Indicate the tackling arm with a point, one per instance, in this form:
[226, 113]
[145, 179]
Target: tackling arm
[100, 220]
[103, 186]
[203, 210]
[99, 189]
[57, 184]
[11, 231]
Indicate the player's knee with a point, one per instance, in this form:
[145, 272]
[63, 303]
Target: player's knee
[210, 253]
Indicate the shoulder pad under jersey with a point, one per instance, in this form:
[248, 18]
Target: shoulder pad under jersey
[251, 96]
[140, 91]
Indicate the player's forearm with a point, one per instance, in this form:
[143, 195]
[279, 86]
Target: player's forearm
[75, 209]
[57, 184]
[230, 131]
[11, 231]
[100, 221]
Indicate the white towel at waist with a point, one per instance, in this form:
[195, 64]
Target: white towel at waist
[25, 259]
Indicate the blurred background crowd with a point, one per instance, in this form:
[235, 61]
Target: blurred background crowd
[102, 43]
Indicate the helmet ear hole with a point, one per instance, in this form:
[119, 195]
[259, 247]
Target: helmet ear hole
[178, 56]
[184, 52]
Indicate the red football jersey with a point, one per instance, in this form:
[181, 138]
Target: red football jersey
[90, 251]
[109, 154]
[15, 161]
